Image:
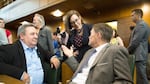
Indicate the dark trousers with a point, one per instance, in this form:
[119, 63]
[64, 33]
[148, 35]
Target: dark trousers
[141, 72]
[50, 74]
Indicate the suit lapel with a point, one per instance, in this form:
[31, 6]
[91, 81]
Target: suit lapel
[100, 55]
[132, 34]
[82, 62]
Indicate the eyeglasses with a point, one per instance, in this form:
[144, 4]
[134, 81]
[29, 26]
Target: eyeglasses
[73, 22]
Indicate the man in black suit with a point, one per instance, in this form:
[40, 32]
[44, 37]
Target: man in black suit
[25, 59]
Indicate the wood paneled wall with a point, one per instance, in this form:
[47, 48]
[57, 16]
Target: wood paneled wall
[122, 15]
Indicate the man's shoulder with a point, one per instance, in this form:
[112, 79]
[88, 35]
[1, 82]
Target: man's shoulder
[46, 29]
[142, 23]
[117, 47]
[9, 47]
[16, 45]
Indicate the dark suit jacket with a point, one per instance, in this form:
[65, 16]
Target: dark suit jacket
[139, 41]
[110, 66]
[86, 33]
[13, 62]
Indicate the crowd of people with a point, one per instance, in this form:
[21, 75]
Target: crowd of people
[95, 53]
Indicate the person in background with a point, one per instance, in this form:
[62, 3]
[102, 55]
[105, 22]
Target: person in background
[116, 39]
[25, 59]
[78, 33]
[56, 45]
[45, 35]
[5, 33]
[138, 45]
[104, 63]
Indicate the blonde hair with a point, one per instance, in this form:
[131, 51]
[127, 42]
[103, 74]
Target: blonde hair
[41, 19]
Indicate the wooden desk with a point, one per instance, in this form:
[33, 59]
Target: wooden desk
[9, 80]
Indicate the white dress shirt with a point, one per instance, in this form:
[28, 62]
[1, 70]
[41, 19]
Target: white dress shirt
[81, 78]
[34, 66]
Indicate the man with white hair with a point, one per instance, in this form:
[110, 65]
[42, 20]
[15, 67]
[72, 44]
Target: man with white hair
[25, 59]
[45, 40]
[44, 37]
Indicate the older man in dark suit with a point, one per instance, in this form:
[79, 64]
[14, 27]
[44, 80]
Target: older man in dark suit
[139, 45]
[25, 60]
[104, 63]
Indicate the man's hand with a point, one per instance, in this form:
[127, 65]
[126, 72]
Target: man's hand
[54, 62]
[26, 78]
[68, 52]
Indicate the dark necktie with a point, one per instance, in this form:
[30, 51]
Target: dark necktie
[30, 49]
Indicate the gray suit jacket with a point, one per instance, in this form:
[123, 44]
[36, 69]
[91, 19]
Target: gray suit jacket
[45, 39]
[139, 41]
[110, 67]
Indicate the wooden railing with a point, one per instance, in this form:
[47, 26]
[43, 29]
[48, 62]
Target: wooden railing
[4, 79]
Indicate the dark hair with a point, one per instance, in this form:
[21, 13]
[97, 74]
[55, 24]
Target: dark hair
[105, 30]
[55, 33]
[116, 34]
[1, 18]
[138, 11]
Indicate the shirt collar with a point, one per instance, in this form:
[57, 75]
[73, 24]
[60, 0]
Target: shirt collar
[99, 48]
[25, 46]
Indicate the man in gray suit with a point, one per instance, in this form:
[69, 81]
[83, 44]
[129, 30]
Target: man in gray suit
[108, 64]
[139, 45]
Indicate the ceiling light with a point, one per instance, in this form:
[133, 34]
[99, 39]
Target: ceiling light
[145, 8]
[113, 24]
[57, 13]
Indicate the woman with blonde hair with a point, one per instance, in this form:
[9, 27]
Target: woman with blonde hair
[116, 39]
